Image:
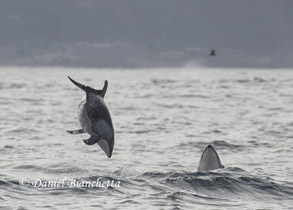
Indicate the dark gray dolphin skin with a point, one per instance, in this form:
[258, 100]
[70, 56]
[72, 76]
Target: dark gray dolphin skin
[95, 118]
[209, 159]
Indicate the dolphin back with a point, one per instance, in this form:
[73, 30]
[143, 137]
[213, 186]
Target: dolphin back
[102, 125]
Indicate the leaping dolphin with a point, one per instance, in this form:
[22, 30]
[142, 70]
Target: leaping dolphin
[95, 119]
[209, 159]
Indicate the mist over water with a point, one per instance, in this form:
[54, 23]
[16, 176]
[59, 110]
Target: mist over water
[131, 33]
[163, 119]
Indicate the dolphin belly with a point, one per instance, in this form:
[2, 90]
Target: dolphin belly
[84, 121]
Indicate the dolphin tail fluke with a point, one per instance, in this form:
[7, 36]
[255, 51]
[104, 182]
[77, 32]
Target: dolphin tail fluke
[81, 86]
[88, 89]
[103, 92]
[91, 141]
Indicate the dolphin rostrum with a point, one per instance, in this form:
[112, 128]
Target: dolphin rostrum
[209, 159]
[95, 118]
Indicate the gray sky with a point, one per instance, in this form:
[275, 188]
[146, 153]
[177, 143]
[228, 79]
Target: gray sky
[137, 33]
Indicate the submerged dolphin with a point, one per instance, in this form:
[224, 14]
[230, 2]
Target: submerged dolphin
[95, 119]
[209, 159]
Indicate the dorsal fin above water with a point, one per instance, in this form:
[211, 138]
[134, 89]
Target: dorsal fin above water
[209, 159]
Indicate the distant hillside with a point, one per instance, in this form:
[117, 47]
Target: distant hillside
[146, 33]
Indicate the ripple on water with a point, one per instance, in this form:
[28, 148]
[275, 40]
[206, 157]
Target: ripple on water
[219, 144]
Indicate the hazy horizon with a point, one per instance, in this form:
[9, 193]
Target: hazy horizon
[133, 34]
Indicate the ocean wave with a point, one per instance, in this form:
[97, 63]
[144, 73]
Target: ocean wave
[225, 183]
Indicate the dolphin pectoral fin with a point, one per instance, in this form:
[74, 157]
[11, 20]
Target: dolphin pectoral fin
[106, 146]
[91, 141]
[79, 131]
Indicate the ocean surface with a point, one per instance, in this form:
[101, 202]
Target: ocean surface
[163, 119]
